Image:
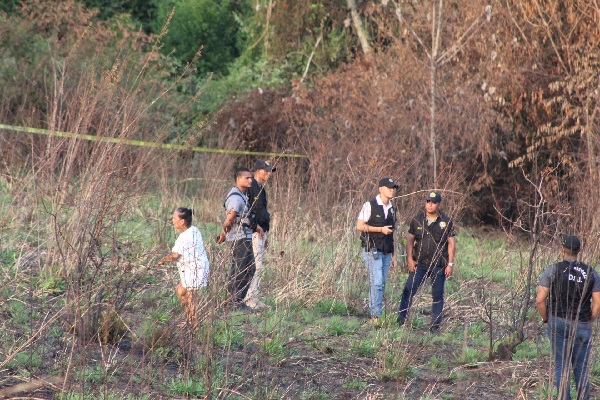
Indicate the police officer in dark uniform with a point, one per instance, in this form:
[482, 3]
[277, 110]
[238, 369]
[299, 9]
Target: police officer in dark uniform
[568, 300]
[376, 222]
[430, 248]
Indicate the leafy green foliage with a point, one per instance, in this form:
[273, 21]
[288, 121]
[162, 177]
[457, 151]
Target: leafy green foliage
[196, 24]
[8, 6]
[144, 11]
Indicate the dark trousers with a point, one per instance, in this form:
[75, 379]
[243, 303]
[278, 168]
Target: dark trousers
[242, 269]
[414, 281]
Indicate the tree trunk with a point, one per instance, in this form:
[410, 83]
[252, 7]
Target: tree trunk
[432, 116]
[360, 32]
[436, 29]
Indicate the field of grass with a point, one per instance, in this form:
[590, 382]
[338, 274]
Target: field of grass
[77, 323]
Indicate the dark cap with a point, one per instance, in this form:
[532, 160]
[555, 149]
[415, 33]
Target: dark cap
[261, 164]
[388, 182]
[434, 197]
[571, 243]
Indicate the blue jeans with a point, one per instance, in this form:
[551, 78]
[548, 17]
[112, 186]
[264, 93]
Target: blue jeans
[571, 343]
[414, 282]
[378, 273]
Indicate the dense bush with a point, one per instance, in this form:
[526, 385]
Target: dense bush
[209, 25]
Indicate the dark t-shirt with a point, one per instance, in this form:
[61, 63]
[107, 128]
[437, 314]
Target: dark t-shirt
[570, 289]
[431, 239]
[258, 201]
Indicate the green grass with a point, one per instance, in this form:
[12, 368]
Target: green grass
[366, 347]
[92, 374]
[332, 306]
[337, 326]
[20, 313]
[274, 348]
[437, 363]
[484, 258]
[227, 336]
[471, 355]
[355, 384]
[185, 387]
[528, 351]
[26, 360]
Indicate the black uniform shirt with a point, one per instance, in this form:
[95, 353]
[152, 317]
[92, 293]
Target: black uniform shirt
[431, 241]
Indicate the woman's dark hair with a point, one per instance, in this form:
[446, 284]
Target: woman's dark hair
[186, 215]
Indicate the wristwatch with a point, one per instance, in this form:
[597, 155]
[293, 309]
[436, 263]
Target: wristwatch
[451, 264]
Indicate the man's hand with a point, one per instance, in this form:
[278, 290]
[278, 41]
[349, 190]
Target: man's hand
[221, 237]
[448, 271]
[412, 265]
[540, 301]
[386, 230]
[260, 231]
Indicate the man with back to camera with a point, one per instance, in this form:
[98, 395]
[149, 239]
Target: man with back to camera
[376, 222]
[258, 201]
[430, 250]
[237, 231]
[568, 300]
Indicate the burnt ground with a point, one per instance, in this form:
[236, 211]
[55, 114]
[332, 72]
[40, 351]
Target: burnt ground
[315, 367]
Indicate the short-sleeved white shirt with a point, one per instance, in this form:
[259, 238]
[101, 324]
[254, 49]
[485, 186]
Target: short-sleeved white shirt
[365, 212]
[192, 263]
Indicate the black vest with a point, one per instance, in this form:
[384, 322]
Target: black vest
[370, 240]
[571, 291]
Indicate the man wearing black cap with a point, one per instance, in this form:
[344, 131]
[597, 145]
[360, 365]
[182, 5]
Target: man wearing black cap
[430, 250]
[376, 222]
[258, 200]
[568, 300]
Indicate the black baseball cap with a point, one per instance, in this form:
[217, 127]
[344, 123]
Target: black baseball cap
[261, 164]
[571, 243]
[434, 197]
[388, 182]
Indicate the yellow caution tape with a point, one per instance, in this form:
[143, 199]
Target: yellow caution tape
[143, 143]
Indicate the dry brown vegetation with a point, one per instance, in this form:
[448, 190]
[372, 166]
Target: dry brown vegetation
[84, 222]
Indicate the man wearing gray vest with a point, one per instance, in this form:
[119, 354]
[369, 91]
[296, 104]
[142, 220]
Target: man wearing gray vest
[238, 227]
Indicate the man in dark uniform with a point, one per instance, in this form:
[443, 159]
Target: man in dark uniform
[376, 222]
[260, 242]
[430, 249]
[568, 300]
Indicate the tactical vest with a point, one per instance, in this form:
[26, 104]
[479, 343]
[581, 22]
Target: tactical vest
[377, 240]
[248, 218]
[571, 291]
